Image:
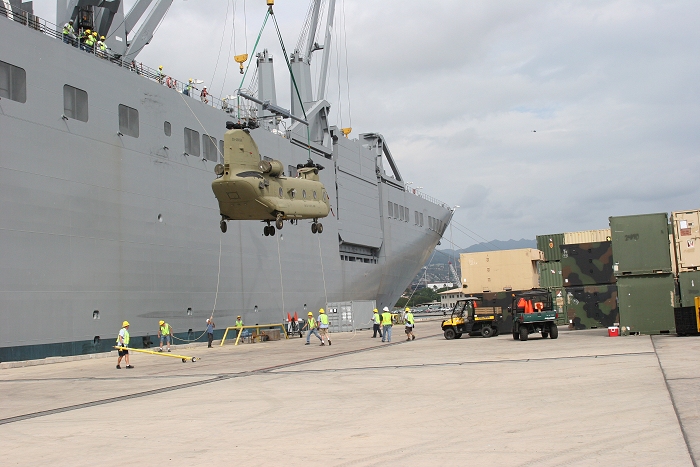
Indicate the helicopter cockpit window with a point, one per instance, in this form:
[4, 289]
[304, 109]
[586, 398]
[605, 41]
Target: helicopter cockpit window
[281, 193]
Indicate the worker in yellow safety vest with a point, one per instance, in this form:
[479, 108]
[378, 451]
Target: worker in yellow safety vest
[123, 341]
[164, 333]
[311, 327]
[376, 324]
[410, 324]
[323, 326]
[386, 324]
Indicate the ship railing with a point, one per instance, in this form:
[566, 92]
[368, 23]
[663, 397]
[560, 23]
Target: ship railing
[429, 198]
[229, 105]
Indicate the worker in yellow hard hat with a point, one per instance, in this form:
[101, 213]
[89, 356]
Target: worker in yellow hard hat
[122, 342]
[410, 323]
[323, 326]
[188, 88]
[311, 327]
[165, 334]
[376, 324]
[161, 75]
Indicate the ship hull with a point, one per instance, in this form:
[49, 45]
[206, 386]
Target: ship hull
[98, 227]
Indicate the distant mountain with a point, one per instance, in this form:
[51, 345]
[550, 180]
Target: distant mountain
[443, 256]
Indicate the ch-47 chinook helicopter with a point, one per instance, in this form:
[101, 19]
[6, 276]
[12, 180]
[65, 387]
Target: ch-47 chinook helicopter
[249, 188]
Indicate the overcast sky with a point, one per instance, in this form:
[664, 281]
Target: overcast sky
[534, 117]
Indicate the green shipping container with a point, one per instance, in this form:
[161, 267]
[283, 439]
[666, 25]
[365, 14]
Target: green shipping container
[559, 304]
[689, 283]
[550, 274]
[592, 306]
[647, 303]
[641, 244]
[549, 245]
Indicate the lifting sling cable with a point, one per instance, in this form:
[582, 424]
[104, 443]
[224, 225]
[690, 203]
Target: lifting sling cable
[279, 258]
[216, 297]
[323, 273]
[252, 54]
[294, 81]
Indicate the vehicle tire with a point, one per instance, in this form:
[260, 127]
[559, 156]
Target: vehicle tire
[223, 226]
[272, 230]
[314, 228]
[495, 332]
[486, 331]
[449, 334]
[545, 334]
[458, 335]
[319, 228]
[279, 223]
[523, 333]
[553, 331]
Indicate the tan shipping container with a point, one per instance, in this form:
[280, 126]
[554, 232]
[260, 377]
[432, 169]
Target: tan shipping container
[686, 233]
[496, 271]
[587, 236]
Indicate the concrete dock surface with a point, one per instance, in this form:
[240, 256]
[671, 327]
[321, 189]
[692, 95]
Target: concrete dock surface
[582, 399]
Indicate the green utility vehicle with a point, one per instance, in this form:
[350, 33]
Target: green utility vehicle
[532, 312]
[468, 317]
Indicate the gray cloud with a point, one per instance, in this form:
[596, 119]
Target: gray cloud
[457, 88]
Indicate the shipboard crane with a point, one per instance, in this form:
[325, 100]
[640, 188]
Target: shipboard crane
[250, 188]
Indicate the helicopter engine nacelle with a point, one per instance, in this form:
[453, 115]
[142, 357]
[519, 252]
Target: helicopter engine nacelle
[273, 167]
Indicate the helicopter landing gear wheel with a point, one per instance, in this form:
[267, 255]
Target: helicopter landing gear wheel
[314, 228]
[223, 226]
[278, 222]
[266, 230]
[319, 228]
[272, 230]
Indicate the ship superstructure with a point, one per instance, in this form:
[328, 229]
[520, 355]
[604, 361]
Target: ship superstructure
[107, 213]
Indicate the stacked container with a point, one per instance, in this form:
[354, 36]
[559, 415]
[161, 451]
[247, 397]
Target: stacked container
[504, 270]
[644, 270]
[685, 226]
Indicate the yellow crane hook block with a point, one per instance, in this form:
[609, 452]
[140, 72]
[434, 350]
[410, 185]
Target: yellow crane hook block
[240, 59]
[184, 358]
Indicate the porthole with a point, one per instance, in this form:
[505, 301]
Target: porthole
[314, 194]
[96, 314]
[303, 194]
[189, 312]
[96, 340]
[281, 192]
[292, 193]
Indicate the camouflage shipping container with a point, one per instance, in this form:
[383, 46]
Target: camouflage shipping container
[587, 264]
[549, 245]
[647, 303]
[689, 285]
[550, 274]
[641, 244]
[592, 306]
[500, 301]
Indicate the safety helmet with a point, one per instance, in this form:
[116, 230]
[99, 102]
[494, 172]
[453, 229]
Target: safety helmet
[386, 308]
[310, 314]
[102, 38]
[94, 33]
[239, 316]
[190, 80]
[407, 309]
[161, 322]
[87, 31]
[207, 320]
[376, 311]
[70, 22]
[160, 67]
[204, 87]
[125, 324]
[321, 310]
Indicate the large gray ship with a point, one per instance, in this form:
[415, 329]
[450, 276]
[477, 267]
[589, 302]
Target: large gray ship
[106, 207]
